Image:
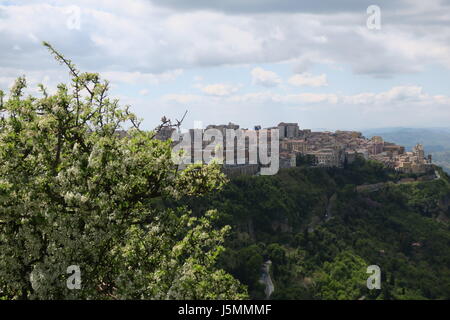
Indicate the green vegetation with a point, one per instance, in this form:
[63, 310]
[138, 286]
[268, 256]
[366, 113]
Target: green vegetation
[321, 234]
[72, 192]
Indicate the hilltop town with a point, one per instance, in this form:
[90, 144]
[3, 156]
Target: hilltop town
[336, 148]
[325, 149]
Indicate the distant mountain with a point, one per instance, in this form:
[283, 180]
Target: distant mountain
[435, 140]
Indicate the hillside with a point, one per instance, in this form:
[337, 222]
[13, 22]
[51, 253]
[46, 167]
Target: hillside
[435, 140]
[320, 233]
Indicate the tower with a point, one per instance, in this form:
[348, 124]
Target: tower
[418, 150]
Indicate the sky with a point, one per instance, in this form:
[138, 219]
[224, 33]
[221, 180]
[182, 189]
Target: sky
[323, 64]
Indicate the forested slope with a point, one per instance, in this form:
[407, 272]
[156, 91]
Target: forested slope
[321, 233]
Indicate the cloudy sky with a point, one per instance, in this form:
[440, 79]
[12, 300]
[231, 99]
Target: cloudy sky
[245, 61]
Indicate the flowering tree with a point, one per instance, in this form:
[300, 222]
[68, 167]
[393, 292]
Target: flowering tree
[73, 192]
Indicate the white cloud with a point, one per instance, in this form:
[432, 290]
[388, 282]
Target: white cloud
[181, 98]
[141, 78]
[398, 95]
[395, 95]
[115, 34]
[307, 79]
[219, 89]
[397, 106]
[144, 92]
[49, 78]
[276, 98]
[314, 98]
[403, 93]
[265, 78]
[140, 43]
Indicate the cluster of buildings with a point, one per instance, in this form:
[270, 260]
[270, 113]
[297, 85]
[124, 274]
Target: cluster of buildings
[327, 149]
[334, 149]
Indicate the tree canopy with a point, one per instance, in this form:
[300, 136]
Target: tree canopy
[75, 192]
